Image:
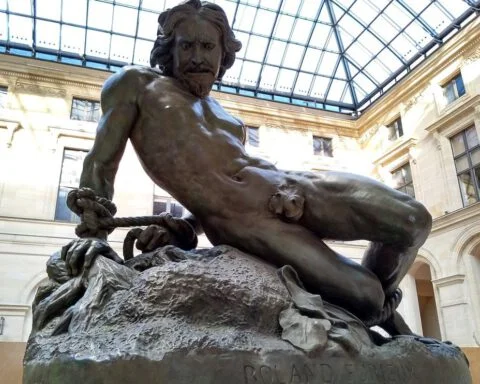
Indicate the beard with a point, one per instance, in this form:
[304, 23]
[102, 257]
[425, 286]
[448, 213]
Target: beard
[200, 84]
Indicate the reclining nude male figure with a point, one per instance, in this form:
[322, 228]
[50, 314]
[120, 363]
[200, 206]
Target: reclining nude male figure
[191, 147]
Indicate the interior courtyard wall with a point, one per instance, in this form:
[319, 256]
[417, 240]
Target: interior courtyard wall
[429, 122]
[36, 127]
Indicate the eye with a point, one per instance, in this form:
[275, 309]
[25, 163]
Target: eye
[208, 46]
[185, 45]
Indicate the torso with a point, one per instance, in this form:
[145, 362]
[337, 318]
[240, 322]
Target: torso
[192, 147]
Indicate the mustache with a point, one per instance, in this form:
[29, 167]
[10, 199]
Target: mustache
[199, 69]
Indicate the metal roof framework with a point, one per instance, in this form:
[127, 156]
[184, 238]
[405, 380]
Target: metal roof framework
[338, 55]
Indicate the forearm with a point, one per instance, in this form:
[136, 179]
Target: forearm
[98, 177]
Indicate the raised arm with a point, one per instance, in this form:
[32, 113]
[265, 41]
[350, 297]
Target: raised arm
[119, 101]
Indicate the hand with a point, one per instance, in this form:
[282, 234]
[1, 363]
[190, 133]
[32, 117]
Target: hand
[173, 231]
[79, 254]
[153, 237]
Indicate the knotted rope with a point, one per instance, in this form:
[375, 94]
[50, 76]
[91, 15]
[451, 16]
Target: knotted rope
[96, 214]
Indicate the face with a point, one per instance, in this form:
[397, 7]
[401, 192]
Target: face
[197, 54]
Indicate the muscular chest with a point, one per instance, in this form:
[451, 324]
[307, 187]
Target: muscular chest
[179, 113]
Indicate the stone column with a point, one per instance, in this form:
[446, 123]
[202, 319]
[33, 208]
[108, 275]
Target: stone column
[409, 307]
[454, 313]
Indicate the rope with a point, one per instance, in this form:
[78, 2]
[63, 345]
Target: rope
[96, 214]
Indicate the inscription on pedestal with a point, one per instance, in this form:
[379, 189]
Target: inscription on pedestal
[328, 373]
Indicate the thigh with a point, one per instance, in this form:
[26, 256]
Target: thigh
[346, 206]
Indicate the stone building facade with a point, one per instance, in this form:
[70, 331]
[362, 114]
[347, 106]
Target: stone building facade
[421, 137]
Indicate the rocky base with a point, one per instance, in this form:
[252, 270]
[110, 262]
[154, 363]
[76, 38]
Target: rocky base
[213, 317]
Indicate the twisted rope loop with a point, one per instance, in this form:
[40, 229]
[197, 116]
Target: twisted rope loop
[97, 219]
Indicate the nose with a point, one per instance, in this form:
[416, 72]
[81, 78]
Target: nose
[197, 56]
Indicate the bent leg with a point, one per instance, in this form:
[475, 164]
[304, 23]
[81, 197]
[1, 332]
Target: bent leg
[345, 206]
[338, 279]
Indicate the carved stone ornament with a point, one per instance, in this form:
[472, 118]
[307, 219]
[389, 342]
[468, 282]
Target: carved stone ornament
[39, 89]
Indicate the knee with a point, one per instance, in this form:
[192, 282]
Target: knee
[419, 223]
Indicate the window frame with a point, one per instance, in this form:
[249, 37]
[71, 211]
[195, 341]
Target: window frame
[3, 96]
[91, 114]
[396, 126]
[405, 184]
[322, 152]
[251, 143]
[170, 203]
[471, 168]
[73, 217]
[452, 81]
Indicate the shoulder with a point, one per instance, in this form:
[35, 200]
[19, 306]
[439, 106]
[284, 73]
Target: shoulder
[131, 81]
[128, 77]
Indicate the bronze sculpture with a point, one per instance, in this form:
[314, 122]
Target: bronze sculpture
[237, 199]
[250, 309]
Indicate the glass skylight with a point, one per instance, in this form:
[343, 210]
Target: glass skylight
[333, 54]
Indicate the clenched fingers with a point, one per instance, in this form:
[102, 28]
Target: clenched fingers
[152, 237]
[75, 256]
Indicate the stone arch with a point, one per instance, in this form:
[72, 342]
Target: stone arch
[28, 293]
[464, 244]
[427, 257]
[421, 308]
[27, 297]
[467, 253]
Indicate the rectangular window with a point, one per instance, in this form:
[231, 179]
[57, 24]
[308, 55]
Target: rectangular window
[395, 129]
[3, 97]
[85, 110]
[72, 165]
[322, 146]
[164, 203]
[466, 154]
[454, 88]
[403, 182]
[253, 138]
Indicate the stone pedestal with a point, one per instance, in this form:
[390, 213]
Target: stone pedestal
[213, 317]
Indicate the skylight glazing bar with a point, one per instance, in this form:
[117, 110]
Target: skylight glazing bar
[422, 52]
[264, 59]
[285, 51]
[341, 53]
[307, 44]
[474, 4]
[368, 26]
[316, 39]
[135, 38]
[418, 18]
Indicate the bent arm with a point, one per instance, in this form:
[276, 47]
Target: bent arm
[120, 111]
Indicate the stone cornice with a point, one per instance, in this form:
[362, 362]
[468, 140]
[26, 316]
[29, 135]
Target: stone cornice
[457, 217]
[450, 116]
[399, 149]
[47, 79]
[449, 280]
[264, 112]
[14, 309]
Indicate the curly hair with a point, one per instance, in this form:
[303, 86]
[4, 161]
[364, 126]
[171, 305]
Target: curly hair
[161, 53]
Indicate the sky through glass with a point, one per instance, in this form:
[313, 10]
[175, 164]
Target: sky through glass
[333, 54]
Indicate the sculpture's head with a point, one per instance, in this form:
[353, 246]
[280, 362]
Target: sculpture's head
[194, 44]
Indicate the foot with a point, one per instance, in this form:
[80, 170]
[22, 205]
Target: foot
[389, 319]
